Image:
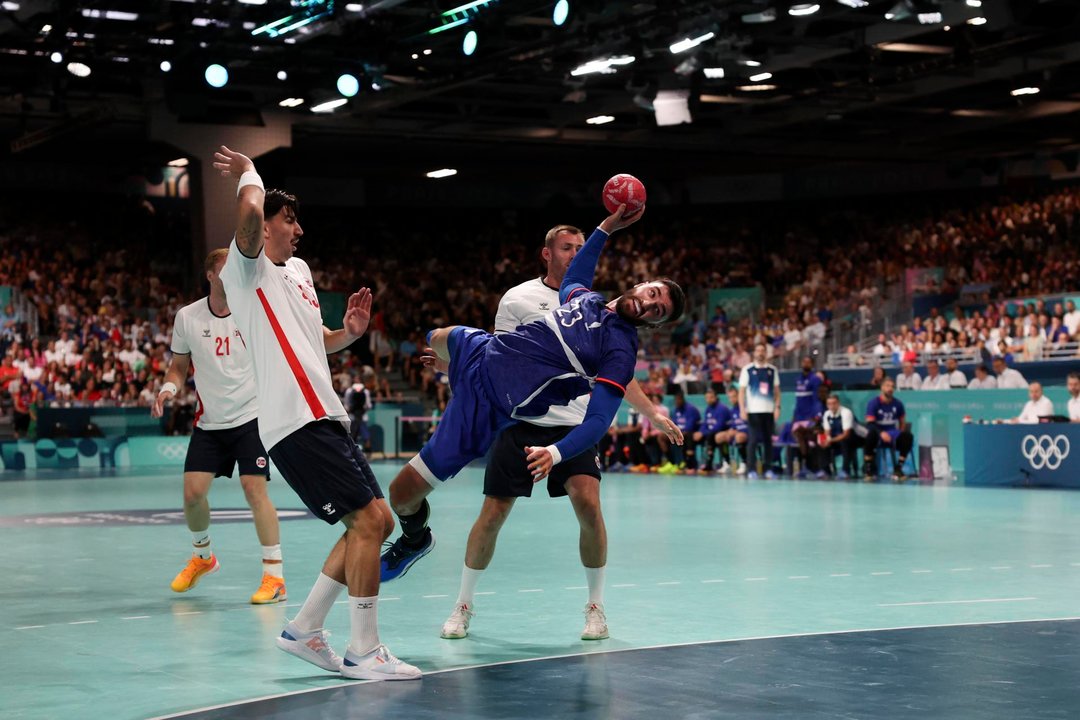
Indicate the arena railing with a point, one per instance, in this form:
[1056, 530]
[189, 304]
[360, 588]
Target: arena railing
[838, 360]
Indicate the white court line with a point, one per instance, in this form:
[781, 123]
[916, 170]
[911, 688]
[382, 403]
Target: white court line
[798, 577]
[696, 643]
[921, 572]
[884, 572]
[531, 590]
[577, 587]
[428, 597]
[840, 575]
[670, 582]
[711, 581]
[486, 592]
[29, 627]
[959, 569]
[757, 579]
[1041, 566]
[83, 622]
[193, 612]
[135, 617]
[625, 585]
[388, 599]
[958, 602]
[1001, 567]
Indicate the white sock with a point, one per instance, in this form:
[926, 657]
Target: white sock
[469, 578]
[594, 577]
[201, 543]
[312, 615]
[272, 560]
[364, 619]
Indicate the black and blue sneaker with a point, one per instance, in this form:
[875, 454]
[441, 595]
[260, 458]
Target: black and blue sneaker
[399, 557]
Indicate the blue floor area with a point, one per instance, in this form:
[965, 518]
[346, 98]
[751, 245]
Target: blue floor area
[838, 569]
[1018, 670]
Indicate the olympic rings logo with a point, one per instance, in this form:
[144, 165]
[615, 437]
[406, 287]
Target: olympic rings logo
[171, 450]
[1045, 451]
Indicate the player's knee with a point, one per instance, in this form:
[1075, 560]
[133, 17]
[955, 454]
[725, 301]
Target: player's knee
[194, 495]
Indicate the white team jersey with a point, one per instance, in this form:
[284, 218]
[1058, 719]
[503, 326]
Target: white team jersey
[224, 384]
[522, 304]
[277, 310]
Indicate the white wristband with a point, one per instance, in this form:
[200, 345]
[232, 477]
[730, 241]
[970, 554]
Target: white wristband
[168, 387]
[250, 178]
[556, 456]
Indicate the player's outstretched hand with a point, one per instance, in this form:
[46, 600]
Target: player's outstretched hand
[430, 360]
[158, 408]
[620, 219]
[358, 313]
[231, 163]
[540, 462]
[669, 428]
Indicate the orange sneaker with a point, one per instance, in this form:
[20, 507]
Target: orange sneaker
[197, 567]
[271, 591]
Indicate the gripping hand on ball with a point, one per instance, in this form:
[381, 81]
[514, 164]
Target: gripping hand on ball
[620, 219]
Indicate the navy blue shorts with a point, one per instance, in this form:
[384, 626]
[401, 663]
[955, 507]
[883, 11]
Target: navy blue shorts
[470, 424]
[508, 475]
[326, 469]
[219, 451]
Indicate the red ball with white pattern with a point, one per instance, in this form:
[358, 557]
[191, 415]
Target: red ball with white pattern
[626, 190]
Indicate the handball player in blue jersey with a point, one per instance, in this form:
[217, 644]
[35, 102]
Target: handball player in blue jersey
[587, 344]
[885, 421]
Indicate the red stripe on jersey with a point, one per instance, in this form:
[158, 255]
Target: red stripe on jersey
[612, 383]
[198, 409]
[576, 290]
[290, 357]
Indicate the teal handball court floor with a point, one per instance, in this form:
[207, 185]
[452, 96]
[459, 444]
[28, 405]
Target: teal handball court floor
[725, 598]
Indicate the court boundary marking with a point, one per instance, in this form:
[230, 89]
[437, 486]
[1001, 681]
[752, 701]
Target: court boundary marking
[696, 643]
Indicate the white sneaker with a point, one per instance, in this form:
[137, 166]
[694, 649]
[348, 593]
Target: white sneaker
[311, 647]
[595, 623]
[379, 664]
[725, 468]
[457, 625]
[741, 470]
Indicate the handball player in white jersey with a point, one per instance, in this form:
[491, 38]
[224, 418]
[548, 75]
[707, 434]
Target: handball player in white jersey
[226, 432]
[303, 424]
[507, 476]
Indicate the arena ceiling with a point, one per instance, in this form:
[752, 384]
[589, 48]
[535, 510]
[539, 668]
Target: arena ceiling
[889, 80]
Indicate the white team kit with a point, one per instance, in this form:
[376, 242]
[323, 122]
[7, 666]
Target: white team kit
[525, 303]
[278, 308]
[224, 384]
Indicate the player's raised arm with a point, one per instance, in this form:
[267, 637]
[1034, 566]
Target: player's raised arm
[583, 267]
[249, 199]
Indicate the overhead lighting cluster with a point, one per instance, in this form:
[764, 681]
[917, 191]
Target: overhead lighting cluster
[309, 12]
[690, 43]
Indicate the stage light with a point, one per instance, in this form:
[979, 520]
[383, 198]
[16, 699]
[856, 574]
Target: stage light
[57, 57]
[78, 69]
[291, 102]
[803, 9]
[689, 43]
[328, 106]
[216, 75]
[1024, 91]
[714, 73]
[178, 162]
[561, 12]
[977, 21]
[444, 173]
[348, 85]
[600, 120]
[760, 77]
[468, 45]
[165, 66]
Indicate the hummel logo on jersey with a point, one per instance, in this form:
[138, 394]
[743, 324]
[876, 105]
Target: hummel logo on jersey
[328, 508]
[206, 332]
[543, 306]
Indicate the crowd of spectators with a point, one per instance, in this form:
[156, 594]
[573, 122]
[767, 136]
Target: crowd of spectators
[105, 283]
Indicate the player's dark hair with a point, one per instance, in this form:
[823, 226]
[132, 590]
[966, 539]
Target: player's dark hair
[276, 200]
[1073, 376]
[215, 257]
[678, 298]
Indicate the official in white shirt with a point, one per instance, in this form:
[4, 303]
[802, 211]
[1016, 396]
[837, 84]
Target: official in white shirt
[1073, 385]
[908, 379]
[934, 380]
[983, 380]
[1037, 407]
[957, 379]
[1007, 377]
